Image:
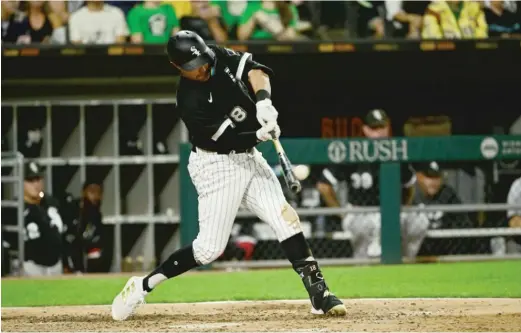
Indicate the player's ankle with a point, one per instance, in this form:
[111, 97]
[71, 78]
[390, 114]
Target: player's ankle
[145, 285]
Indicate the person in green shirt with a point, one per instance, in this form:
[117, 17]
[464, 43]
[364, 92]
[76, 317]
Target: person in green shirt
[230, 12]
[269, 20]
[152, 22]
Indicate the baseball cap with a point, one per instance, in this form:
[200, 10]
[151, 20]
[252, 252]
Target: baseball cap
[32, 170]
[376, 118]
[430, 169]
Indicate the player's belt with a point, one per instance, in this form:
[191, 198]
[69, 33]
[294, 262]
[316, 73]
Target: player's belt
[224, 151]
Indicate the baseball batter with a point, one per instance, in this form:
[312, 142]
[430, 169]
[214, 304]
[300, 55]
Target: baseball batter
[224, 99]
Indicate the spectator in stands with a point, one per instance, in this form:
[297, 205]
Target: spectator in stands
[269, 20]
[231, 12]
[406, 17]
[15, 24]
[454, 20]
[40, 25]
[98, 23]
[59, 16]
[124, 5]
[202, 17]
[502, 19]
[431, 190]
[74, 5]
[181, 8]
[152, 22]
[370, 19]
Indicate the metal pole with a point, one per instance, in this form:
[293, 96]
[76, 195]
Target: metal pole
[21, 208]
[15, 128]
[48, 178]
[83, 150]
[150, 246]
[117, 188]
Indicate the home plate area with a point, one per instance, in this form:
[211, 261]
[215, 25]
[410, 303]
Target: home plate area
[364, 315]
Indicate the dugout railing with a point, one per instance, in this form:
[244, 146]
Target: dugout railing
[81, 139]
[12, 197]
[410, 149]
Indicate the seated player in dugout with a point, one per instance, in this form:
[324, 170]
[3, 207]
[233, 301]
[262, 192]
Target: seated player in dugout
[362, 182]
[430, 189]
[513, 244]
[43, 226]
[224, 98]
[84, 241]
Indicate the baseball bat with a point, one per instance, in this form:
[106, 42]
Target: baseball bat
[287, 170]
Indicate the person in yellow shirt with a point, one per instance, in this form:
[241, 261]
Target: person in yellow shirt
[181, 8]
[454, 20]
[203, 17]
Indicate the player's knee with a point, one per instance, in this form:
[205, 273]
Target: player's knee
[415, 225]
[207, 252]
[364, 227]
[290, 216]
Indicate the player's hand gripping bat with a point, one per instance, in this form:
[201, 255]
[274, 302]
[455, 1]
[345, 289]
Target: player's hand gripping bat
[287, 170]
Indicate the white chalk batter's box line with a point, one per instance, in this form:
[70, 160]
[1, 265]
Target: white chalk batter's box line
[297, 331]
[299, 301]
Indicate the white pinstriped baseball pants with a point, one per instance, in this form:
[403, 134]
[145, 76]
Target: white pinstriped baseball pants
[224, 183]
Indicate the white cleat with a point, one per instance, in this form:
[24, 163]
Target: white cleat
[129, 299]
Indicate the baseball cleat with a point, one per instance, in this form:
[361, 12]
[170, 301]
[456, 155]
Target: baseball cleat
[330, 306]
[129, 299]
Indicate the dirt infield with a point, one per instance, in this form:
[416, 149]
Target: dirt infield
[369, 315]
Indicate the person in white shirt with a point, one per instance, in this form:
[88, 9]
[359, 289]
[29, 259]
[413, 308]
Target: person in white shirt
[98, 23]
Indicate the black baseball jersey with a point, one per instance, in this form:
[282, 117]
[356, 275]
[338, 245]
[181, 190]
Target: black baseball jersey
[220, 114]
[442, 220]
[84, 232]
[43, 228]
[363, 181]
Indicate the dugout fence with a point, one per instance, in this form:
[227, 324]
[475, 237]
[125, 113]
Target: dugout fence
[389, 153]
[150, 204]
[83, 139]
[12, 197]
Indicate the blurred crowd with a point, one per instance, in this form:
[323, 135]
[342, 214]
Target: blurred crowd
[152, 22]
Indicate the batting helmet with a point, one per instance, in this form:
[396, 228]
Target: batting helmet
[188, 50]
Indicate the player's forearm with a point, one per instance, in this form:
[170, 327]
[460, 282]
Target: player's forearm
[244, 31]
[260, 83]
[401, 16]
[328, 194]
[217, 30]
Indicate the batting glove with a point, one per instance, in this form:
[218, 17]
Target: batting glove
[266, 112]
[268, 132]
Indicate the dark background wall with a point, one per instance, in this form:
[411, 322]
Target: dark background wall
[476, 84]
